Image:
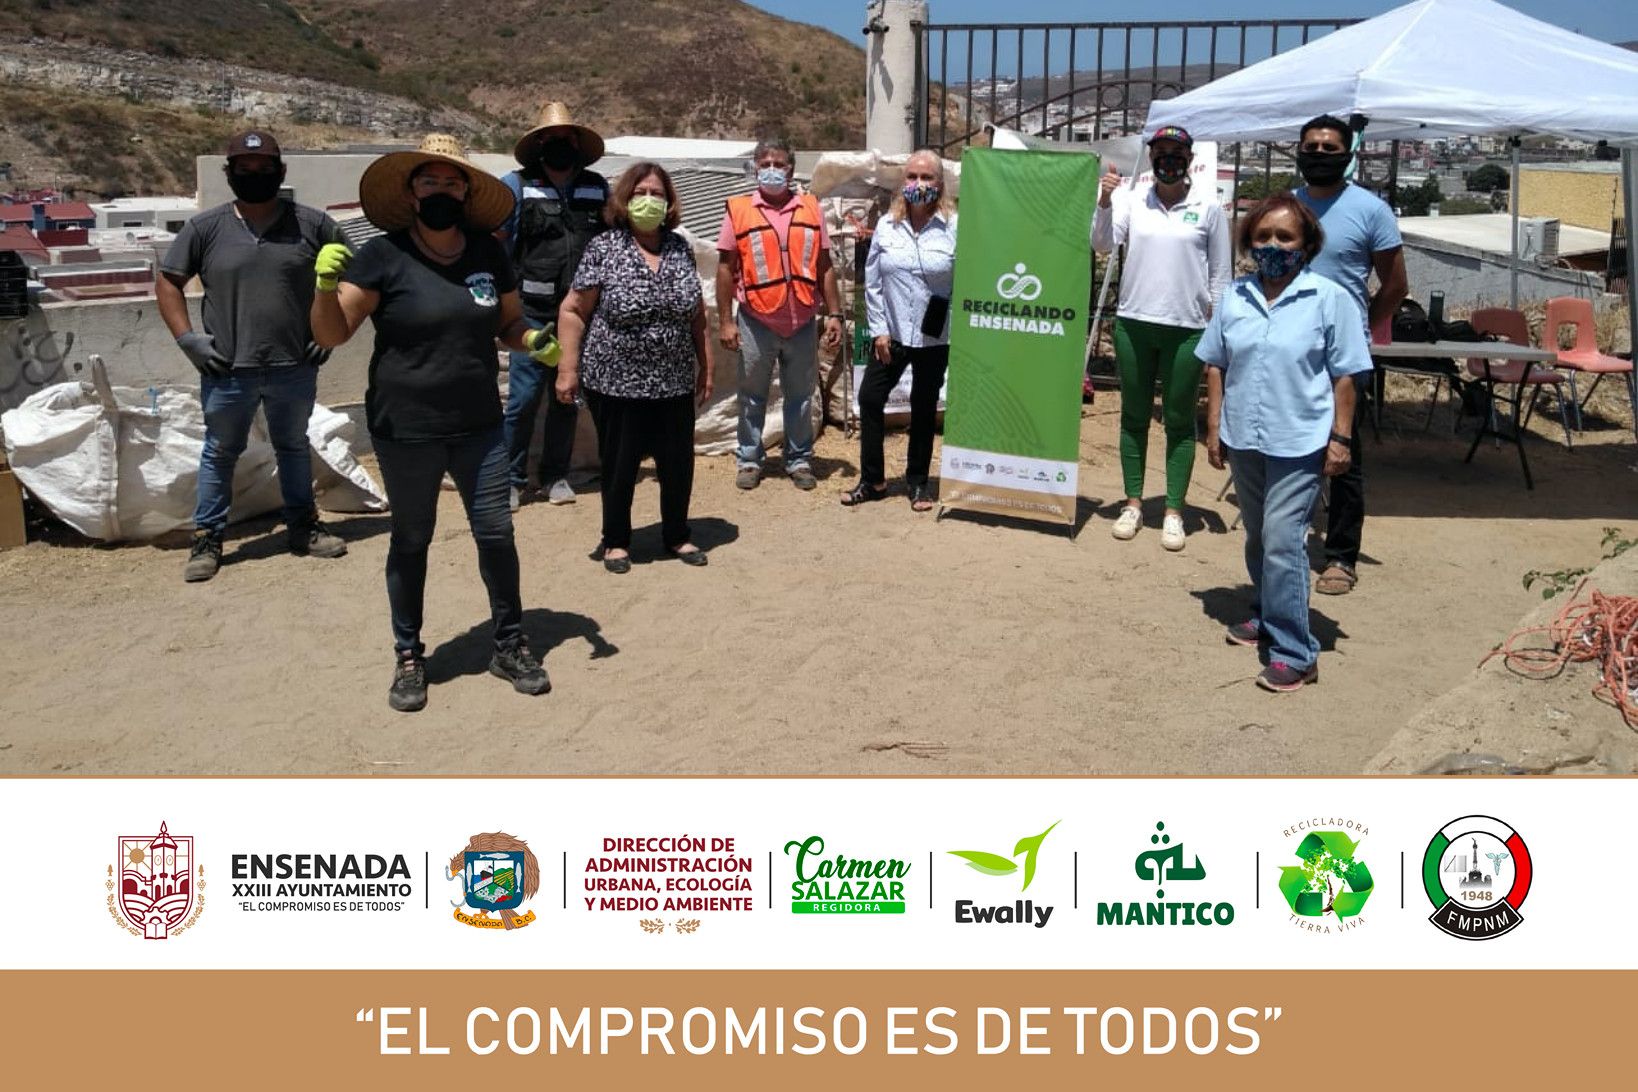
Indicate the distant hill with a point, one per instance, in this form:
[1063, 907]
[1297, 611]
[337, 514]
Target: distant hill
[336, 71]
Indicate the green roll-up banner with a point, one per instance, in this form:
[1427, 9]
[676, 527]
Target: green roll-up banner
[1012, 421]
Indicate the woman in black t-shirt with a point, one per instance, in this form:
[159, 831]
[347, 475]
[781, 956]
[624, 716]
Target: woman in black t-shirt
[634, 342]
[441, 292]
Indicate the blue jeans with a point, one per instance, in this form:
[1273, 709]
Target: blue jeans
[527, 385]
[413, 474]
[1277, 498]
[286, 396]
[797, 356]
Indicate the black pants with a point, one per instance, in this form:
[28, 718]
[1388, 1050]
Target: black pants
[628, 429]
[413, 474]
[927, 366]
[1346, 523]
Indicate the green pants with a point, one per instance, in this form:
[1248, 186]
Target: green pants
[1146, 352]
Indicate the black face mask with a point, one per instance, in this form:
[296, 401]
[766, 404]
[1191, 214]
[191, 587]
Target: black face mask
[559, 155]
[1171, 168]
[254, 189]
[440, 210]
[1323, 168]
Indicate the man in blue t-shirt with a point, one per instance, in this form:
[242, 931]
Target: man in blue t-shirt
[1361, 238]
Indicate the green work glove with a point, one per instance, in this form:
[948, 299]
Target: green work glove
[331, 264]
[543, 347]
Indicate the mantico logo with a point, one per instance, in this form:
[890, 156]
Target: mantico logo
[1327, 892]
[1016, 309]
[1476, 872]
[1163, 866]
[843, 885]
[1021, 912]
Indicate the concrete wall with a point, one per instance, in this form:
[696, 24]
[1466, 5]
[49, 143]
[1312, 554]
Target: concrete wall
[1584, 199]
[55, 342]
[319, 180]
[1474, 280]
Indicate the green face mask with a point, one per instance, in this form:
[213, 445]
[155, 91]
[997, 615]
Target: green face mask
[646, 212]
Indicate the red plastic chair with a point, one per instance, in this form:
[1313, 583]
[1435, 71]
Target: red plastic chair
[1511, 326]
[1585, 357]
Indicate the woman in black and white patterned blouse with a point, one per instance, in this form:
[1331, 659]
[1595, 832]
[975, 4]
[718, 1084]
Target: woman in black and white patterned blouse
[633, 331]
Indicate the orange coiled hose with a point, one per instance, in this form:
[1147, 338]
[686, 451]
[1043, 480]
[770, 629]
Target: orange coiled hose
[1600, 627]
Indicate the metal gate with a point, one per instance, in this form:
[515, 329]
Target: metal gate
[1079, 81]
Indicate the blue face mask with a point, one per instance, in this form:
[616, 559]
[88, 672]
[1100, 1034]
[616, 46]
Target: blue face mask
[920, 193]
[1276, 263]
[772, 179]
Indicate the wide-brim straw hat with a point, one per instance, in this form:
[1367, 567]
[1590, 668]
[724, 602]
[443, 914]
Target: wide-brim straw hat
[384, 190]
[555, 115]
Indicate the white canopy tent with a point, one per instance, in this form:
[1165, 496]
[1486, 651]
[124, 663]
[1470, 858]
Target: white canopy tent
[1431, 69]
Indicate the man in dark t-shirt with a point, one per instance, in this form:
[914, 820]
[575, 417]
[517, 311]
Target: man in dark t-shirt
[254, 256]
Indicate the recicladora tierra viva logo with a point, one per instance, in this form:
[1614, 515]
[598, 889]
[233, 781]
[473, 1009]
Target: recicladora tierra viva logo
[844, 885]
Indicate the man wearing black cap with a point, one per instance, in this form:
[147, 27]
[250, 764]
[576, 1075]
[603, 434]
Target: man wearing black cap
[559, 210]
[254, 257]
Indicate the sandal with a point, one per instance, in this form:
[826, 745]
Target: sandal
[921, 498]
[862, 493]
[1337, 579]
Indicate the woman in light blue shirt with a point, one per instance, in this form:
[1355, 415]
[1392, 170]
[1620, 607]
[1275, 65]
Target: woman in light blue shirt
[908, 277]
[1279, 351]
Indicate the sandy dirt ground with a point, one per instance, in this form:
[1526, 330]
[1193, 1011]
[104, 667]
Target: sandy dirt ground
[822, 640]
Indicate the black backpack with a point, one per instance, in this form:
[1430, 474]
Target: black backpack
[1410, 322]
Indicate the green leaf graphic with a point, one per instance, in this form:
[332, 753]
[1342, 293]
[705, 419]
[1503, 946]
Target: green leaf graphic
[992, 863]
[1031, 845]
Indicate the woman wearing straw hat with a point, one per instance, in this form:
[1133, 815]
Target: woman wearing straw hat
[441, 291]
[634, 340]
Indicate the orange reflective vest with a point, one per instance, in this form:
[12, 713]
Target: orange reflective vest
[764, 268]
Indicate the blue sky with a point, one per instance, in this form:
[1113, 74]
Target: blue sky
[1606, 20]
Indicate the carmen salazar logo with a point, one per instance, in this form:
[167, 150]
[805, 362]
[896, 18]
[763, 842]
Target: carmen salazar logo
[843, 885]
[498, 874]
[1021, 912]
[158, 893]
[1164, 865]
[1476, 872]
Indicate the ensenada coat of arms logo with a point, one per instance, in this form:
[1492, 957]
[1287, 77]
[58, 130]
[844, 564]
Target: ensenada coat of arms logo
[155, 887]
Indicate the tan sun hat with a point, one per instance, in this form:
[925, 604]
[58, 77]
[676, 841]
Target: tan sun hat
[556, 115]
[385, 195]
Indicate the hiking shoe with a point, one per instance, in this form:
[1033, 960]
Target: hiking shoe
[1247, 633]
[1127, 524]
[803, 478]
[520, 667]
[1172, 535]
[409, 683]
[1280, 676]
[560, 492]
[749, 477]
[310, 538]
[204, 557]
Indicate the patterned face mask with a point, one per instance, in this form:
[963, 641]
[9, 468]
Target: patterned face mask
[920, 193]
[1276, 263]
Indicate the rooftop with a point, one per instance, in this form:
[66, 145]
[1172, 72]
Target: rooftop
[1492, 233]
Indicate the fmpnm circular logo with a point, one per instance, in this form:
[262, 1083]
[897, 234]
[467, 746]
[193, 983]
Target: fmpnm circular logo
[1476, 872]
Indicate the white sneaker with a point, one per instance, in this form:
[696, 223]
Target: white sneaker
[560, 493]
[514, 498]
[1172, 536]
[1127, 523]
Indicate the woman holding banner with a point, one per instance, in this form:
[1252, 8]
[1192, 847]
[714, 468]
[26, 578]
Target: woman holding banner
[909, 274]
[1178, 260]
[1280, 354]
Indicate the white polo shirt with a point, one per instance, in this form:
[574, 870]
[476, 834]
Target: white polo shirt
[1178, 260]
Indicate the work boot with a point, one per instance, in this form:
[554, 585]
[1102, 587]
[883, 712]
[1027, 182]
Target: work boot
[409, 683]
[310, 538]
[204, 556]
[518, 666]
